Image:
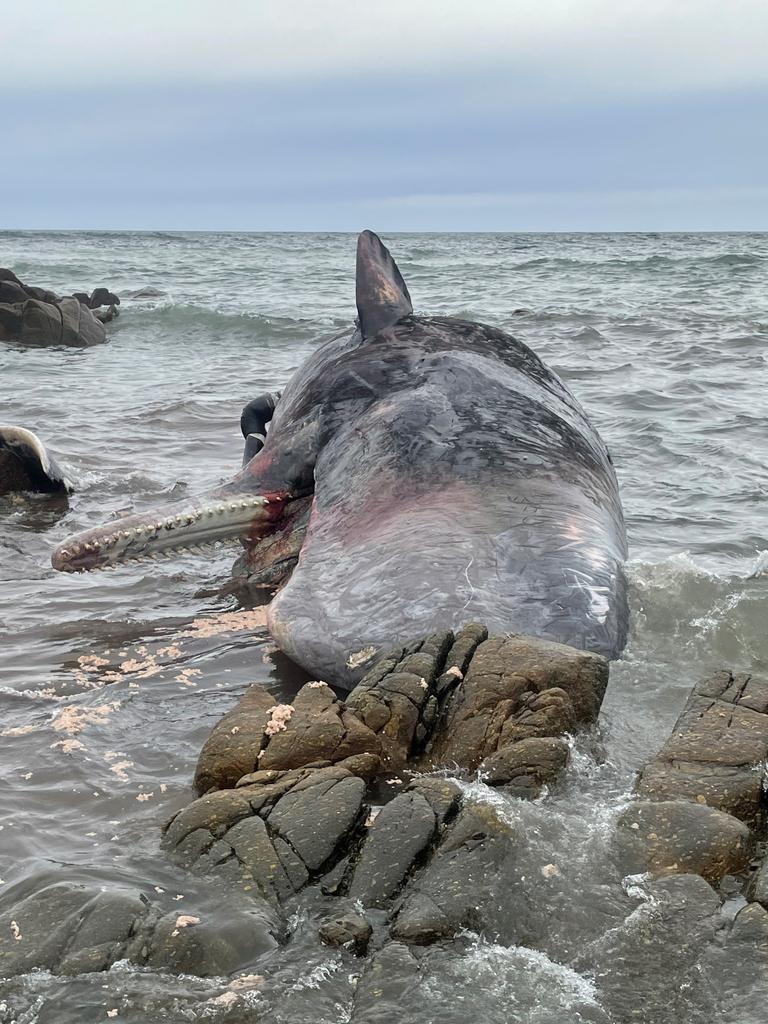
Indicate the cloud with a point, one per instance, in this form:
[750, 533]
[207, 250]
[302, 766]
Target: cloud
[489, 116]
[632, 47]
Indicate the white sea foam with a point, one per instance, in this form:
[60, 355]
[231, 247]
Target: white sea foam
[525, 982]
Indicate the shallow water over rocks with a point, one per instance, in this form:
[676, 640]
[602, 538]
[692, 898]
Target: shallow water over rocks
[110, 683]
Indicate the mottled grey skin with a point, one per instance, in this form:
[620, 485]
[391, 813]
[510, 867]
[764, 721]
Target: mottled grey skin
[454, 478]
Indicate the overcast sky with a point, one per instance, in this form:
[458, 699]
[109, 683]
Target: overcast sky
[405, 115]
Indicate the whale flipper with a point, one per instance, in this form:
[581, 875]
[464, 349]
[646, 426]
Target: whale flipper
[253, 423]
[381, 292]
[26, 465]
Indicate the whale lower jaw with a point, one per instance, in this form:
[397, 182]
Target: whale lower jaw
[210, 522]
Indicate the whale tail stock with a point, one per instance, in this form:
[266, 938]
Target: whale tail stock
[381, 293]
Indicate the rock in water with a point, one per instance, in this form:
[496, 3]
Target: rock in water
[35, 316]
[288, 802]
[677, 836]
[717, 748]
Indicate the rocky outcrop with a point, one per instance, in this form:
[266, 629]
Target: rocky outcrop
[702, 795]
[35, 316]
[278, 831]
[717, 749]
[291, 795]
[500, 705]
[516, 690]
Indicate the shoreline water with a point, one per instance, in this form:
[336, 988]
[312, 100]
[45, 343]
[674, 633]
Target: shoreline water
[662, 340]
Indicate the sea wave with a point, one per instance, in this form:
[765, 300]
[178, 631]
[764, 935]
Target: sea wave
[216, 321]
[657, 261]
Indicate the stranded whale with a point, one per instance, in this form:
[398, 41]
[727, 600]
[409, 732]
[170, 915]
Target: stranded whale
[447, 475]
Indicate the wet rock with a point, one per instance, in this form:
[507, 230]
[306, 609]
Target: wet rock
[391, 979]
[102, 297]
[442, 795]
[319, 728]
[67, 928]
[70, 929]
[517, 687]
[736, 970]
[549, 713]
[206, 948]
[463, 648]
[364, 766]
[314, 818]
[758, 885]
[259, 736]
[349, 931]
[737, 791]
[36, 316]
[105, 316]
[9, 280]
[393, 698]
[275, 834]
[400, 835]
[232, 748]
[298, 817]
[147, 293]
[717, 748]
[334, 881]
[675, 836]
[526, 766]
[459, 886]
[215, 812]
[253, 846]
[644, 969]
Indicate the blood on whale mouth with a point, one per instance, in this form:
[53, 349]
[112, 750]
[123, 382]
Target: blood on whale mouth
[222, 516]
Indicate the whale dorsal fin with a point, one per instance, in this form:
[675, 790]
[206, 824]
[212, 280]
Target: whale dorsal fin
[382, 297]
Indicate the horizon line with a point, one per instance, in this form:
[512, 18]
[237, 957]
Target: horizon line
[386, 231]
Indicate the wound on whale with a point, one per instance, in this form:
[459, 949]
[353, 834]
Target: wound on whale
[427, 471]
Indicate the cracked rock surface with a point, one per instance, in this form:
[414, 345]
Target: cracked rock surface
[314, 807]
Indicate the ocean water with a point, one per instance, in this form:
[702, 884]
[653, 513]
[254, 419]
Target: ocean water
[110, 682]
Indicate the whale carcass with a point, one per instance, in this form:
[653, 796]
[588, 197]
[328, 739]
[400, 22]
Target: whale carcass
[447, 475]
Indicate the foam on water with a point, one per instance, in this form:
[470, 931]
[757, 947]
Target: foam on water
[515, 985]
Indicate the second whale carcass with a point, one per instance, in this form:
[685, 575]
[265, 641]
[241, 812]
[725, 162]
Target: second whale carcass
[447, 475]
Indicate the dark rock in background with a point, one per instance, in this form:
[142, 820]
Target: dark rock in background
[35, 316]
